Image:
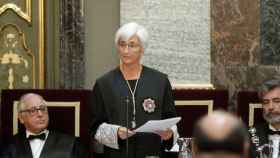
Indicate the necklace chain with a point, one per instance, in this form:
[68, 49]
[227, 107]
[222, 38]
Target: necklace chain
[133, 100]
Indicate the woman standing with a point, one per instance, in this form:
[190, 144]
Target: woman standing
[129, 96]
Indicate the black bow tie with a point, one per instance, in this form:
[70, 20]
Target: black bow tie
[40, 136]
[271, 132]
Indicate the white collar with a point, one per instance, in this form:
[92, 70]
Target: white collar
[272, 128]
[28, 133]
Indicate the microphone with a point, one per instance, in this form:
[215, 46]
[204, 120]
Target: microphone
[126, 111]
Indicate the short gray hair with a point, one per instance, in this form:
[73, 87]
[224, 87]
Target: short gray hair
[267, 86]
[132, 29]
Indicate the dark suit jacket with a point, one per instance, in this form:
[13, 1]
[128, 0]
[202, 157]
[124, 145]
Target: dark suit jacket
[57, 145]
[262, 136]
[2, 150]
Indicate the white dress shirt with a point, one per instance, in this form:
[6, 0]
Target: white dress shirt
[275, 140]
[37, 144]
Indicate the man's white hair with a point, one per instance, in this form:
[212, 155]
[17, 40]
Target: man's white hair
[132, 29]
[22, 101]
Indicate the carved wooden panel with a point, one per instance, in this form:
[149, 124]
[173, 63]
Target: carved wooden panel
[22, 44]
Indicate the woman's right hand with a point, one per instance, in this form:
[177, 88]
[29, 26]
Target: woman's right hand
[125, 133]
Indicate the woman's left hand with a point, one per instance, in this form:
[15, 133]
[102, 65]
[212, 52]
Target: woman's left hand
[165, 135]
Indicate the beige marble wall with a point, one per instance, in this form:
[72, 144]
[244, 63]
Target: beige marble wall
[179, 37]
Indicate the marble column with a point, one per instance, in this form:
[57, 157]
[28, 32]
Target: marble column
[71, 55]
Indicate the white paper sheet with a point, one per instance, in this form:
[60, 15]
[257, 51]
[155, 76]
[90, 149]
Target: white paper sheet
[158, 125]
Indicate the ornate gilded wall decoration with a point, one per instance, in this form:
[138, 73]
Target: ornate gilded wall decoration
[16, 60]
[25, 14]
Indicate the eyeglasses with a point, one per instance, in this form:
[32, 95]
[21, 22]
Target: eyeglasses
[35, 110]
[128, 46]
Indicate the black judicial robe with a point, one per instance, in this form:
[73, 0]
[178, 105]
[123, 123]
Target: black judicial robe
[262, 133]
[57, 145]
[109, 105]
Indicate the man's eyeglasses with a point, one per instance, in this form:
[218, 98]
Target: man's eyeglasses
[128, 46]
[34, 110]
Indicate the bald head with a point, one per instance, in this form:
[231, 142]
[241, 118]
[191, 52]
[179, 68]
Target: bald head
[218, 125]
[26, 99]
[220, 132]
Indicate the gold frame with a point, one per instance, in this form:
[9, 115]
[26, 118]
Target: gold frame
[41, 44]
[74, 104]
[25, 15]
[41, 35]
[208, 103]
[252, 107]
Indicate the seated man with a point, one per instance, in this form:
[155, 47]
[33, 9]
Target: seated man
[269, 92]
[220, 135]
[37, 141]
